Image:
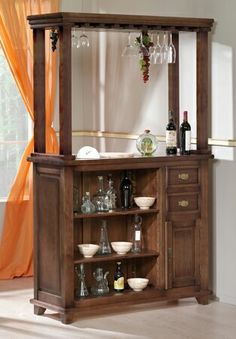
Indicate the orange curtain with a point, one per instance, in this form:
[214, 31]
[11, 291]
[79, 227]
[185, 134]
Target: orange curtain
[16, 247]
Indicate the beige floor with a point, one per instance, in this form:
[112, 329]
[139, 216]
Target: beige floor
[185, 319]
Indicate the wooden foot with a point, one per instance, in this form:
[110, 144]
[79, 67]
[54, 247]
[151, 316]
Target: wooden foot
[203, 300]
[39, 310]
[66, 318]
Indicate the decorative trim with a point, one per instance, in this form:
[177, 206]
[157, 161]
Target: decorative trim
[54, 36]
[160, 138]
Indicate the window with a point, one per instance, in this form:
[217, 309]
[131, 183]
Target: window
[14, 127]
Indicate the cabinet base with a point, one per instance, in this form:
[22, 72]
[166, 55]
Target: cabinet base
[105, 305]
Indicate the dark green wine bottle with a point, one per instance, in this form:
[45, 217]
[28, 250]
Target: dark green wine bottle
[171, 136]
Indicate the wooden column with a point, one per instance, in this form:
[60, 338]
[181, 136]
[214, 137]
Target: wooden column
[173, 84]
[39, 90]
[65, 111]
[202, 91]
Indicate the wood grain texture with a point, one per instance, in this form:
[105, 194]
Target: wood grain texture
[39, 90]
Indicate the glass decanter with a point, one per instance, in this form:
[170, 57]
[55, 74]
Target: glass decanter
[111, 192]
[104, 245]
[146, 143]
[101, 285]
[87, 206]
[101, 199]
[82, 291]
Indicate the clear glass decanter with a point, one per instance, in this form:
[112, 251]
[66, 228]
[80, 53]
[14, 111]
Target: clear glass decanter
[104, 245]
[111, 192]
[82, 291]
[146, 143]
[101, 199]
[100, 286]
[87, 206]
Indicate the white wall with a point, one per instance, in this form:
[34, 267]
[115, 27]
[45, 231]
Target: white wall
[223, 122]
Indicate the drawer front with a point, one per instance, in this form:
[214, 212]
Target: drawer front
[182, 176]
[183, 202]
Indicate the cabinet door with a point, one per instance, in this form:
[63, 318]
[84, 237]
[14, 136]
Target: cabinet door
[181, 253]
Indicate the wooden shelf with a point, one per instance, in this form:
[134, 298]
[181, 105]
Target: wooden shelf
[114, 257]
[118, 211]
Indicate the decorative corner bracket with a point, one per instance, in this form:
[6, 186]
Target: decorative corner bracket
[54, 38]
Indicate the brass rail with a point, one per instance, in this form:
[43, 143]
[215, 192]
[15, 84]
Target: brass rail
[160, 138]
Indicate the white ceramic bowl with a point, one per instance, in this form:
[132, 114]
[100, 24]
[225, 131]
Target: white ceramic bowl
[121, 247]
[137, 284]
[88, 250]
[144, 203]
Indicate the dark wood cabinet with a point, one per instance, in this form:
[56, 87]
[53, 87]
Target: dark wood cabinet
[174, 254]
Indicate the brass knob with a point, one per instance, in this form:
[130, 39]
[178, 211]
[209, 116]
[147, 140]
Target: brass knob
[183, 203]
[183, 176]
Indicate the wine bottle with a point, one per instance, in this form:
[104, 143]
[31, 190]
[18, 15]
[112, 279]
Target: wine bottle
[119, 278]
[171, 136]
[126, 191]
[137, 234]
[185, 135]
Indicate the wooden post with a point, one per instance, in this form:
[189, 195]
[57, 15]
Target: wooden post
[39, 90]
[173, 85]
[65, 111]
[202, 91]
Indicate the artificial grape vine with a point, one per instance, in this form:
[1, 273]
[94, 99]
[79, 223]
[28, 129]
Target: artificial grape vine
[144, 58]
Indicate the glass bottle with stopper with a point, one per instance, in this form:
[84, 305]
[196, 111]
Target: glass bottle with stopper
[112, 195]
[101, 199]
[87, 206]
[146, 143]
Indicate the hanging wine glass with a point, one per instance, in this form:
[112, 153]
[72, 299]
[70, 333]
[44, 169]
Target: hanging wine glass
[143, 49]
[171, 51]
[152, 52]
[74, 39]
[130, 50]
[158, 51]
[165, 49]
[83, 40]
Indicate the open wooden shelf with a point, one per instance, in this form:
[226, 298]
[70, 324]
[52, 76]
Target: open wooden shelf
[118, 211]
[114, 257]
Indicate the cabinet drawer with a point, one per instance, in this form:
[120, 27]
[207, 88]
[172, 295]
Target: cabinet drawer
[182, 176]
[183, 202]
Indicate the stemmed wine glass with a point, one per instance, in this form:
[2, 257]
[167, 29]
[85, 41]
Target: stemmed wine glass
[165, 49]
[158, 51]
[143, 48]
[130, 50]
[83, 40]
[152, 52]
[171, 51]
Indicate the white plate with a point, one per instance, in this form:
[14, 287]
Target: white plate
[110, 155]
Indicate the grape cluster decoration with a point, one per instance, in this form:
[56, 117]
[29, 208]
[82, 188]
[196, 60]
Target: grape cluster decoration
[144, 44]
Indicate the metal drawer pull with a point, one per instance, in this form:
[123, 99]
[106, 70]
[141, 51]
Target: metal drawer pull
[183, 203]
[183, 176]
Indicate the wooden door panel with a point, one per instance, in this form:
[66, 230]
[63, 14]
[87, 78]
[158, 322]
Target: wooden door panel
[182, 251]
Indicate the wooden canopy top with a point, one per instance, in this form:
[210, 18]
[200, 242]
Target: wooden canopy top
[119, 22]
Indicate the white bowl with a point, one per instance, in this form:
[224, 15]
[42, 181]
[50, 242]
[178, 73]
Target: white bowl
[88, 250]
[144, 203]
[137, 284]
[121, 247]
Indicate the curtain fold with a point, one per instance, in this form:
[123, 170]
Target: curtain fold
[16, 38]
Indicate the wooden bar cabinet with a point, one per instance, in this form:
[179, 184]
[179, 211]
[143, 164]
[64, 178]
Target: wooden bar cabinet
[175, 230]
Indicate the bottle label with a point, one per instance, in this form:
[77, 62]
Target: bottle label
[137, 236]
[171, 139]
[187, 140]
[119, 284]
